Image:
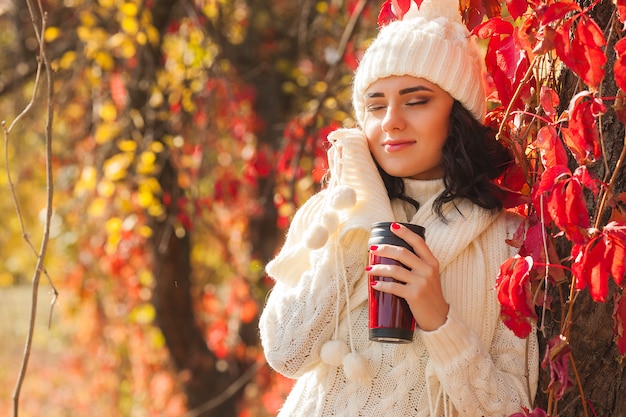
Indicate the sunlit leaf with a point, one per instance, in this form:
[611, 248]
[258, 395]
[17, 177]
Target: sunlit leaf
[130, 25]
[143, 313]
[619, 67]
[129, 9]
[52, 33]
[515, 295]
[115, 168]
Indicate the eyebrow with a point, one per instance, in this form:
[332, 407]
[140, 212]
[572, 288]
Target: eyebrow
[403, 91]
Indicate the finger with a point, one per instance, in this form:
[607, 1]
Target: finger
[382, 272]
[416, 241]
[391, 287]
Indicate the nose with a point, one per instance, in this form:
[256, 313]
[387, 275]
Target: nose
[393, 120]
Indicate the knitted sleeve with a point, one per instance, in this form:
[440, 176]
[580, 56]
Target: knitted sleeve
[301, 311]
[324, 255]
[493, 377]
[480, 381]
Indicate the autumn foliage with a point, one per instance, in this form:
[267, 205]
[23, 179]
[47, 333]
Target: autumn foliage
[234, 101]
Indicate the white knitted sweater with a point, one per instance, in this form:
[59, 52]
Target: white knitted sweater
[471, 366]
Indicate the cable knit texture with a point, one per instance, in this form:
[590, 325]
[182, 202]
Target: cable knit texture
[471, 366]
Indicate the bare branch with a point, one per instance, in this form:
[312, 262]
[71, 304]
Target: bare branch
[43, 69]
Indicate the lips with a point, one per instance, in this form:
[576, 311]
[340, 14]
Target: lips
[396, 145]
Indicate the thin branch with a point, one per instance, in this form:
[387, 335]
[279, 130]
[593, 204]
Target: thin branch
[43, 66]
[614, 177]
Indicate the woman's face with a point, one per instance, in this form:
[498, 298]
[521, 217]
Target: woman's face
[406, 125]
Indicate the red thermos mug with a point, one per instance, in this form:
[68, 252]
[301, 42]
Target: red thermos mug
[390, 318]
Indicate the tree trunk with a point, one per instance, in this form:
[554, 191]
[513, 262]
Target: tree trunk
[203, 380]
[594, 352]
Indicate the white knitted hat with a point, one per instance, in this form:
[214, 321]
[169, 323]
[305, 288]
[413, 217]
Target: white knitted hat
[432, 43]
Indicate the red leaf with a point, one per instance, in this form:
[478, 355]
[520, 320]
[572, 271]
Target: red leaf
[537, 412]
[506, 63]
[557, 358]
[619, 67]
[556, 11]
[583, 53]
[619, 320]
[515, 295]
[386, 16]
[615, 255]
[516, 7]
[587, 179]
[618, 208]
[550, 146]
[568, 209]
[493, 27]
[549, 100]
[593, 267]
[544, 186]
[535, 244]
[394, 10]
[583, 138]
[603, 256]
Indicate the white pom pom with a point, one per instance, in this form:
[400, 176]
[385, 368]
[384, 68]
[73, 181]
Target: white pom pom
[333, 352]
[316, 237]
[356, 367]
[331, 221]
[343, 198]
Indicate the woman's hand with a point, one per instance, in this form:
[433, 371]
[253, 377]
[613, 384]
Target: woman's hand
[419, 285]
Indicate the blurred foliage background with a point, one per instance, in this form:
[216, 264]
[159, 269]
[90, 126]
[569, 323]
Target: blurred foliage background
[185, 133]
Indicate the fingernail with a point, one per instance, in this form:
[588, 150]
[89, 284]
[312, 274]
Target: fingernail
[373, 283]
[395, 226]
[368, 268]
[373, 248]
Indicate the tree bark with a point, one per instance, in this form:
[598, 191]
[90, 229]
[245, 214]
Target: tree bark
[203, 380]
[594, 352]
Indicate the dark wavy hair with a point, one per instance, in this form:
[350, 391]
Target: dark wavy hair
[472, 159]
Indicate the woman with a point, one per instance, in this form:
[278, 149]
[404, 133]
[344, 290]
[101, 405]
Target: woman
[421, 155]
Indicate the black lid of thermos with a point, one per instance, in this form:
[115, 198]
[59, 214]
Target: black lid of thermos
[380, 233]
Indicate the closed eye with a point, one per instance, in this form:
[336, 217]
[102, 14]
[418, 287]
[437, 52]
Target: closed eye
[375, 107]
[417, 102]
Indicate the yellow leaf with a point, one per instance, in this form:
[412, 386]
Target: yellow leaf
[107, 4]
[87, 181]
[143, 313]
[153, 35]
[145, 231]
[210, 10]
[52, 33]
[156, 210]
[145, 276]
[106, 188]
[129, 9]
[152, 184]
[141, 38]
[145, 196]
[115, 167]
[113, 225]
[129, 25]
[108, 112]
[128, 145]
[105, 132]
[87, 19]
[128, 48]
[97, 207]
[67, 60]
[156, 147]
[104, 60]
